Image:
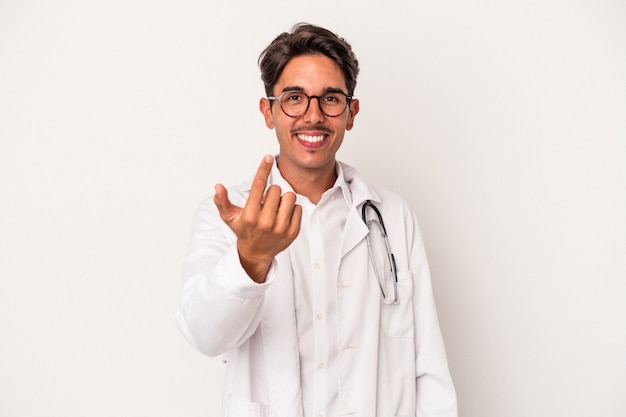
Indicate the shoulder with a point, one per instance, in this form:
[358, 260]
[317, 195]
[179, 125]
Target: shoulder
[362, 190]
[207, 212]
[237, 194]
[395, 210]
[392, 199]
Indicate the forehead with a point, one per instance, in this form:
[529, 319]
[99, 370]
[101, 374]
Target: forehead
[312, 73]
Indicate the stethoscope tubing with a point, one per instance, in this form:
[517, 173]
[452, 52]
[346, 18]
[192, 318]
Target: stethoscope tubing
[392, 259]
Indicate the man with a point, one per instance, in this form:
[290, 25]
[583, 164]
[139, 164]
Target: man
[280, 277]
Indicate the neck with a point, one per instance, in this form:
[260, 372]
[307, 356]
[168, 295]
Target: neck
[312, 183]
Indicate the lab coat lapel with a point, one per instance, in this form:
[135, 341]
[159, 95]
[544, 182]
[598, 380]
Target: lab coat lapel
[355, 229]
[354, 232]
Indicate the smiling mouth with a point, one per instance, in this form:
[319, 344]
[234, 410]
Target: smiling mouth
[311, 138]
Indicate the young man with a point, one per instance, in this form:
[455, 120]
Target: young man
[280, 277]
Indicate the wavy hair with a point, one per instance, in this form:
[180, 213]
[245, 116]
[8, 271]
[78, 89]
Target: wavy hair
[307, 39]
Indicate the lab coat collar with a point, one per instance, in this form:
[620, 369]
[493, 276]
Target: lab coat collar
[359, 190]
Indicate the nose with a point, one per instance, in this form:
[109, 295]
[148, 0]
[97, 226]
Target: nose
[313, 113]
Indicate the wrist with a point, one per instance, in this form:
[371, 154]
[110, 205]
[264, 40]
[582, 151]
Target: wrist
[256, 267]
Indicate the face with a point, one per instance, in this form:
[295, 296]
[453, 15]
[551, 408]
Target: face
[308, 143]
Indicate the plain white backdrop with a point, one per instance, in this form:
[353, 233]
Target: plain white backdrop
[503, 122]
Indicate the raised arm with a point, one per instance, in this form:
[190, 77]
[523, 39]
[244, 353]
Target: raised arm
[229, 262]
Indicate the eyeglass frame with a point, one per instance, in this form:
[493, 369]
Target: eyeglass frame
[392, 260]
[308, 104]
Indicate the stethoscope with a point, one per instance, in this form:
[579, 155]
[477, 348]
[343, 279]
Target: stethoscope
[393, 299]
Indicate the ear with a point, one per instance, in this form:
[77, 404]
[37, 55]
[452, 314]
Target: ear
[353, 110]
[266, 109]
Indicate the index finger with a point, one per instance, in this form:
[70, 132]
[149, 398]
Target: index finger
[260, 181]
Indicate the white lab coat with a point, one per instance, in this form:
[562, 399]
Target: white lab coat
[392, 360]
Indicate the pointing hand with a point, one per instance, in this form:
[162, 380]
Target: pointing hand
[265, 226]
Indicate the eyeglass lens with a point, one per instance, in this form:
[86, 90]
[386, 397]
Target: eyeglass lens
[295, 103]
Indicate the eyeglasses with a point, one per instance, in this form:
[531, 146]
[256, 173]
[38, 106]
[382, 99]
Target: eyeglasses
[296, 103]
[382, 283]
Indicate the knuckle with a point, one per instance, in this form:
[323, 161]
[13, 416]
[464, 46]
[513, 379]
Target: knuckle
[259, 183]
[293, 233]
[289, 198]
[273, 191]
[249, 217]
[265, 225]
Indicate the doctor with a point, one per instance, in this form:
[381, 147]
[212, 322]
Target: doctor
[289, 275]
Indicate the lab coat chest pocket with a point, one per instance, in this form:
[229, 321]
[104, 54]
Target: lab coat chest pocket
[396, 320]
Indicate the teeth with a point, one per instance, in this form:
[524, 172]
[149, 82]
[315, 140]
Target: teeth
[311, 139]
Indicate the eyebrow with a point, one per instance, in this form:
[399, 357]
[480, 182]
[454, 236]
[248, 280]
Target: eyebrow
[326, 90]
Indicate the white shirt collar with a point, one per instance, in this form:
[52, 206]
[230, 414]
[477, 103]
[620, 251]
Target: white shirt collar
[276, 178]
[354, 188]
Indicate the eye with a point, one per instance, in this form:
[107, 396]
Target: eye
[292, 97]
[332, 98]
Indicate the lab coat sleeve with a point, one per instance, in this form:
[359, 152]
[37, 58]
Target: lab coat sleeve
[220, 305]
[436, 396]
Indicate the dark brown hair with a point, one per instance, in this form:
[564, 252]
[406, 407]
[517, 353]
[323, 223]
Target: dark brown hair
[307, 39]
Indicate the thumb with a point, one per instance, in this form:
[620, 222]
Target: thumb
[228, 211]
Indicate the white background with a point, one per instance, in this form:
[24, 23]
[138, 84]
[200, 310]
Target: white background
[503, 122]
